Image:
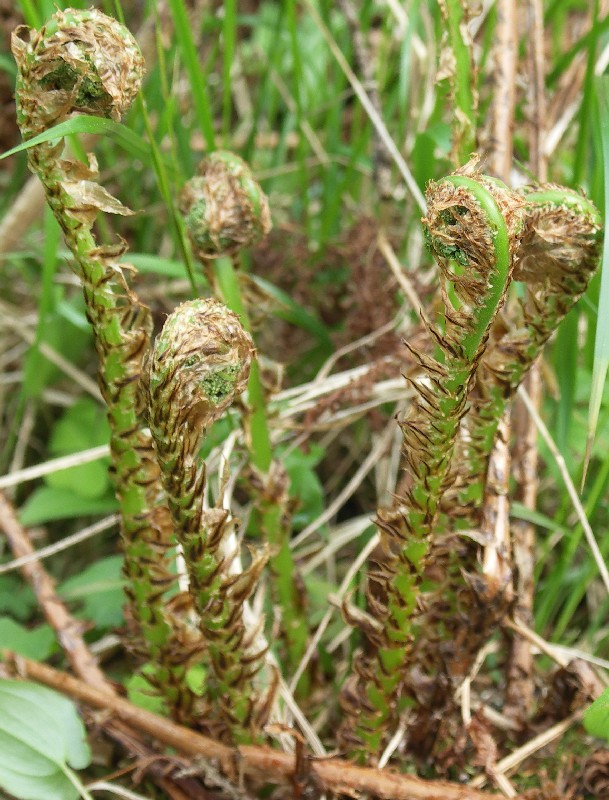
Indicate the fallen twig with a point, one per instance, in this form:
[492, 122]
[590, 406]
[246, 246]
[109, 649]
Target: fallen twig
[333, 774]
[532, 746]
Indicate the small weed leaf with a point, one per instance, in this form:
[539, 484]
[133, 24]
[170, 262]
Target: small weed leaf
[596, 717]
[36, 642]
[99, 589]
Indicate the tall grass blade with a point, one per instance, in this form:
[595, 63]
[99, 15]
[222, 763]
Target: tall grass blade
[31, 14]
[229, 29]
[129, 140]
[601, 344]
[196, 76]
[585, 113]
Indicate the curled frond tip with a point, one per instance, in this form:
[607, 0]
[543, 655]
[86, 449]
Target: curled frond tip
[224, 207]
[200, 362]
[79, 62]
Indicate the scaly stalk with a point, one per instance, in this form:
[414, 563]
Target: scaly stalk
[200, 362]
[85, 62]
[558, 253]
[472, 226]
[225, 210]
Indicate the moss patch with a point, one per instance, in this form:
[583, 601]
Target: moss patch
[219, 385]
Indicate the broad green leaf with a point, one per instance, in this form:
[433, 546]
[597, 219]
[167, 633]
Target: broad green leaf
[305, 485]
[47, 503]
[37, 643]
[86, 480]
[601, 344]
[16, 598]
[82, 426]
[596, 717]
[41, 737]
[66, 340]
[99, 588]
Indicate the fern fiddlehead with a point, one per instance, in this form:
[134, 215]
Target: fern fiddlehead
[557, 254]
[224, 207]
[199, 364]
[224, 211]
[472, 226]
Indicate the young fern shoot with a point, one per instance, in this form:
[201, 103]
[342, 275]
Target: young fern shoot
[558, 253]
[224, 211]
[83, 62]
[199, 364]
[224, 207]
[472, 227]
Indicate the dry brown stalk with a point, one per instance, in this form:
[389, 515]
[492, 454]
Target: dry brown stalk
[504, 95]
[537, 93]
[495, 528]
[25, 209]
[519, 690]
[258, 762]
[519, 669]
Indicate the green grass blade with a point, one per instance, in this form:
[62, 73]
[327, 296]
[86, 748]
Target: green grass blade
[31, 14]
[585, 113]
[122, 135]
[229, 28]
[601, 344]
[599, 27]
[167, 194]
[261, 452]
[565, 365]
[196, 75]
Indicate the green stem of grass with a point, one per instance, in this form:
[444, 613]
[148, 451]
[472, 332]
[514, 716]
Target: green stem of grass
[196, 75]
[260, 437]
